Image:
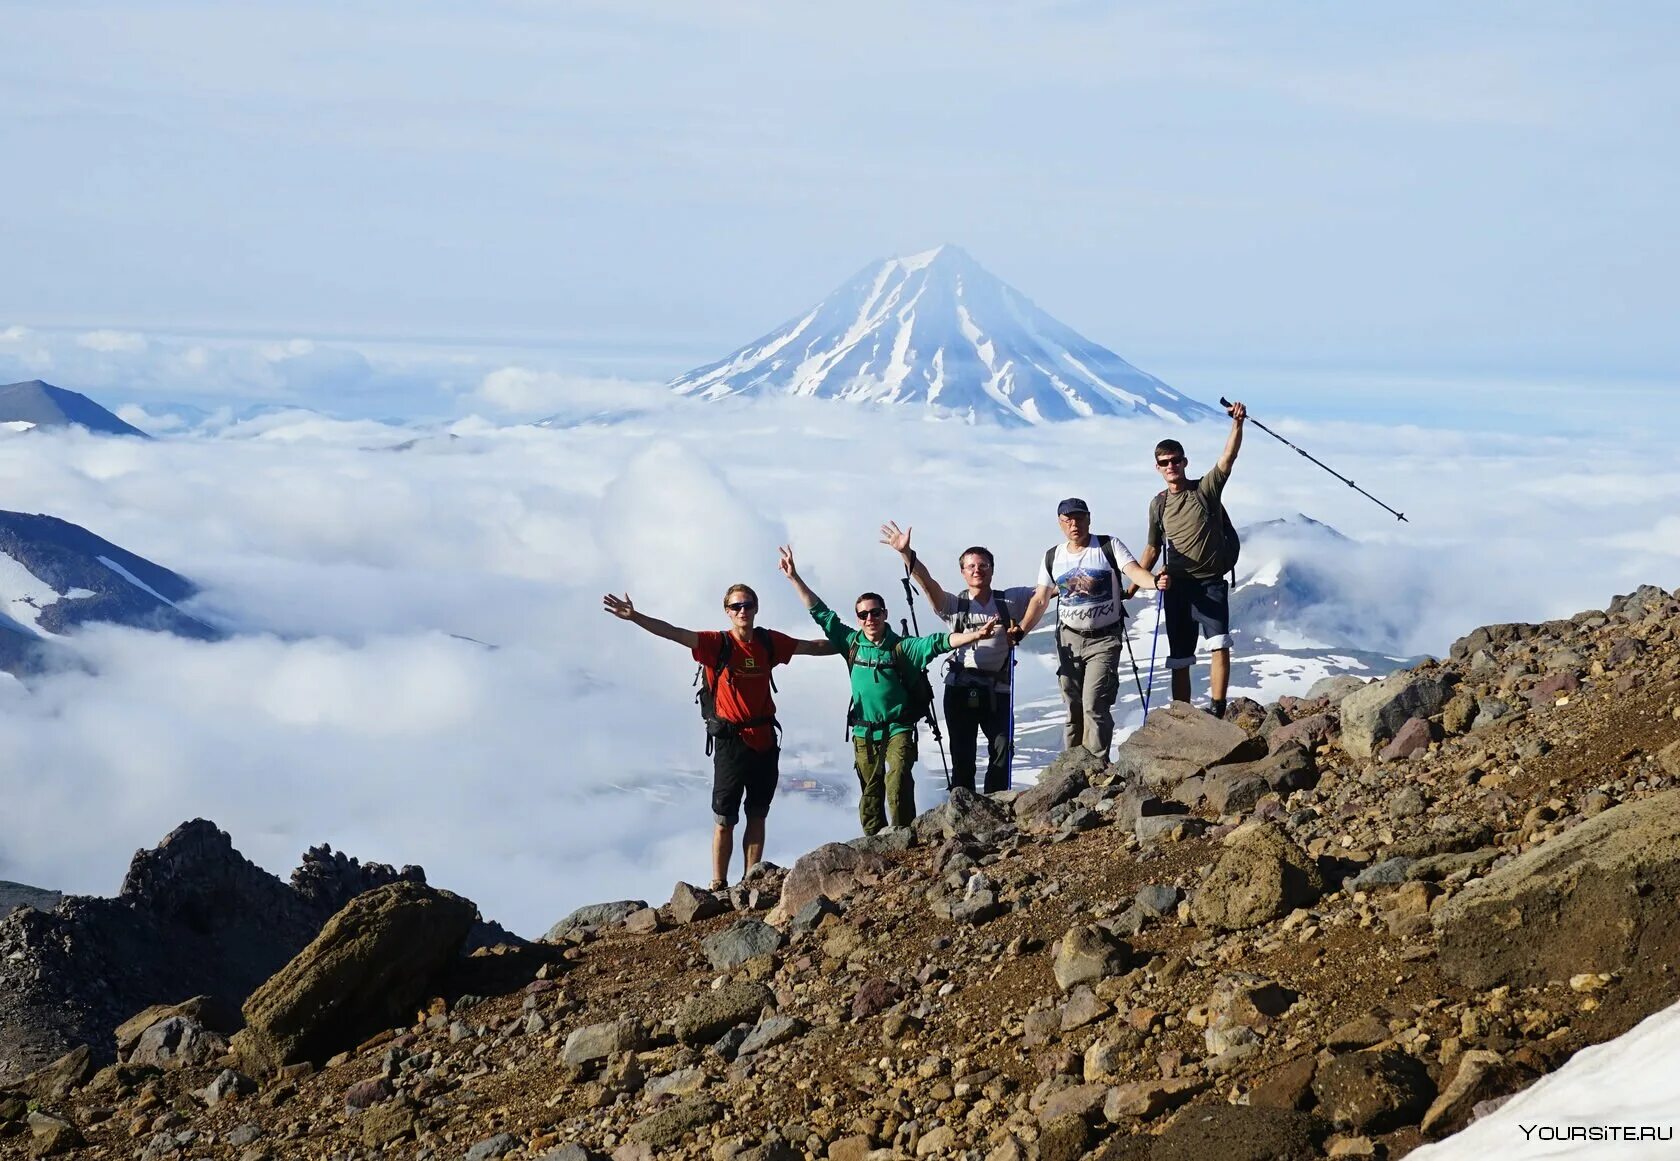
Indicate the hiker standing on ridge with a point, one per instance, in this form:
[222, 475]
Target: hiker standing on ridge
[884, 711]
[977, 677]
[737, 703]
[1084, 574]
[1189, 519]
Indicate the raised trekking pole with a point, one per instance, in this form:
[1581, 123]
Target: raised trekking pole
[1226, 404]
[932, 714]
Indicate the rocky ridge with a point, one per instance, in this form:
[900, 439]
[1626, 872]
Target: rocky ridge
[1332, 926]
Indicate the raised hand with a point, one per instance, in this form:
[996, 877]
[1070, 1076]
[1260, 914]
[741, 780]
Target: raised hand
[620, 607]
[894, 539]
[786, 564]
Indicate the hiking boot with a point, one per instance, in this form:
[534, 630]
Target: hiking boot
[718, 885]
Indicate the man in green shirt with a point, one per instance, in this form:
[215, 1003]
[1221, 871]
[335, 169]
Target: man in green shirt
[1187, 521]
[883, 667]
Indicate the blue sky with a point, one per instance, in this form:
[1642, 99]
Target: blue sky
[1436, 188]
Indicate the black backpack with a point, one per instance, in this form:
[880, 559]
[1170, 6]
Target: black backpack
[706, 678]
[1106, 544]
[918, 690]
[1230, 544]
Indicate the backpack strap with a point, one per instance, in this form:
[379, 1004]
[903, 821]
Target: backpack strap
[1106, 543]
[1003, 609]
[1050, 563]
[768, 644]
[1157, 515]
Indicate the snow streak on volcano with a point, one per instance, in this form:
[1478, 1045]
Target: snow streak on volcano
[935, 329]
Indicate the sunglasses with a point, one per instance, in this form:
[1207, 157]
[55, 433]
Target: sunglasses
[741, 606]
[1176, 461]
[867, 614]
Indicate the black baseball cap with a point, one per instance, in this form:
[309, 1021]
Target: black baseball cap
[1072, 505]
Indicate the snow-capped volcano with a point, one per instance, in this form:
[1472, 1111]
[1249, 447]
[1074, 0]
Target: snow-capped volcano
[936, 329]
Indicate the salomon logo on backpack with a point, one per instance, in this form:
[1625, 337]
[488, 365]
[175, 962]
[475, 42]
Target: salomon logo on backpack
[707, 677]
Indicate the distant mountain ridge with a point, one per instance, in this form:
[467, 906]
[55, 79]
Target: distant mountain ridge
[34, 403]
[56, 576]
[936, 330]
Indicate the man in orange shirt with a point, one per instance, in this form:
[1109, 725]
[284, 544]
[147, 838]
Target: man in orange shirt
[739, 707]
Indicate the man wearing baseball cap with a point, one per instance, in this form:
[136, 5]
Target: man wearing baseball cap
[1084, 574]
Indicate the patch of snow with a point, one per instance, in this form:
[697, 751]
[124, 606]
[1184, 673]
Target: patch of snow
[23, 594]
[135, 581]
[17, 425]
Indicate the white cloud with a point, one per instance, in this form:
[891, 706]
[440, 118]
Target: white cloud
[564, 764]
[523, 391]
[112, 341]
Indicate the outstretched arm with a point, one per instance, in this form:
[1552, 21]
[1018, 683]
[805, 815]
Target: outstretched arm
[1035, 612]
[1142, 577]
[624, 610]
[899, 542]
[814, 648]
[791, 571]
[1233, 442]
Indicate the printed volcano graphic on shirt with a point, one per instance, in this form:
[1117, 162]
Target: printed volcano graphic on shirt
[936, 330]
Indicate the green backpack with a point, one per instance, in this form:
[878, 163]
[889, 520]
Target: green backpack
[918, 701]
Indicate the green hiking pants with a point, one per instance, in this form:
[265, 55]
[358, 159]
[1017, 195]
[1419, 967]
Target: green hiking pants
[883, 770]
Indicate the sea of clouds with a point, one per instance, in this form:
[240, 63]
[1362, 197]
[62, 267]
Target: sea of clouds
[422, 671]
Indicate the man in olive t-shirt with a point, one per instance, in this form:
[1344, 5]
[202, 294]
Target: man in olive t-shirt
[1187, 521]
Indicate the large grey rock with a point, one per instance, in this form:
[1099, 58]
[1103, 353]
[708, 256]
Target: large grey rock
[834, 870]
[595, 915]
[600, 1041]
[372, 964]
[1599, 897]
[739, 942]
[710, 1014]
[177, 1042]
[689, 904]
[1177, 742]
[1373, 714]
[771, 1031]
[1071, 772]
[193, 917]
[1491, 637]
[964, 814]
[1261, 876]
[1334, 689]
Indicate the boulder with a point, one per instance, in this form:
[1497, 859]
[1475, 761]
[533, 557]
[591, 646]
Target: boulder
[177, 1042]
[1261, 876]
[207, 1011]
[1177, 742]
[1373, 714]
[1481, 1074]
[600, 1041]
[664, 1129]
[1334, 689]
[710, 1014]
[1491, 638]
[1373, 1091]
[1598, 898]
[771, 1031]
[1311, 731]
[372, 964]
[1062, 781]
[834, 870]
[964, 814]
[62, 1077]
[594, 915]
[739, 942]
[689, 904]
[1240, 1133]
[1086, 954]
[1411, 738]
[1148, 1099]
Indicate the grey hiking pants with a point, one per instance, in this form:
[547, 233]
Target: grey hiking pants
[1089, 672]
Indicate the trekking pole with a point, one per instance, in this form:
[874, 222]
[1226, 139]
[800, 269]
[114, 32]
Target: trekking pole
[1009, 777]
[1166, 552]
[1226, 404]
[933, 716]
[1137, 678]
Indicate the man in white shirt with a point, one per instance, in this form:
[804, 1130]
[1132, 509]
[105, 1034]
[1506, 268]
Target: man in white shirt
[978, 676]
[1084, 573]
